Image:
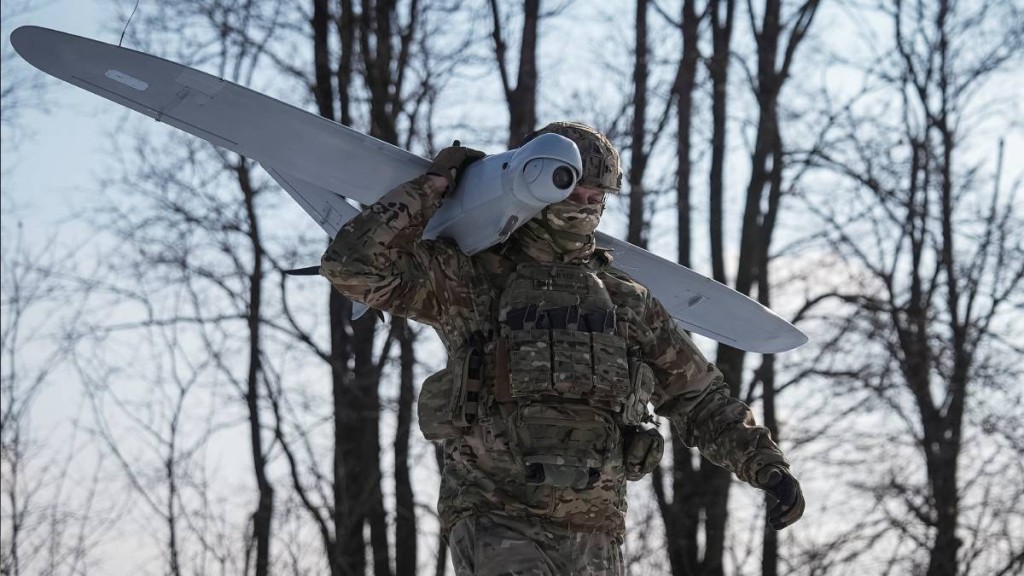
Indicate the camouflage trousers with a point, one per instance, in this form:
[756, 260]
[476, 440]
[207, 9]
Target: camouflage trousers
[495, 545]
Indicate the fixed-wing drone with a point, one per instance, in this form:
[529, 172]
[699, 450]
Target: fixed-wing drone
[321, 164]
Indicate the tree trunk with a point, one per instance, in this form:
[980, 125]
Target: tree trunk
[638, 153]
[441, 563]
[715, 481]
[718, 68]
[770, 545]
[522, 99]
[367, 399]
[323, 91]
[682, 516]
[263, 516]
[172, 506]
[384, 68]
[942, 462]
[405, 505]
[759, 217]
[686, 79]
[684, 553]
[523, 108]
[346, 554]
[942, 476]
[346, 24]
[349, 556]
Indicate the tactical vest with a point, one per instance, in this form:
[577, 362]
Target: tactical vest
[570, 387]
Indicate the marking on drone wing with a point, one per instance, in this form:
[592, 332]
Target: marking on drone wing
[158, 115]
[129, 81]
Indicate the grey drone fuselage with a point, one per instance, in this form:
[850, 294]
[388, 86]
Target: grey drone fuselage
[500, 193]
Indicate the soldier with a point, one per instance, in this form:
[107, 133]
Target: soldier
[554, 356]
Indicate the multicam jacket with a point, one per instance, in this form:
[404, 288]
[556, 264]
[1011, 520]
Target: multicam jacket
[379, 259]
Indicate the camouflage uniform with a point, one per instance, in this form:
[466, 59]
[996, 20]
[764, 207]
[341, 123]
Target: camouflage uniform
[488, 498]
[493, 545]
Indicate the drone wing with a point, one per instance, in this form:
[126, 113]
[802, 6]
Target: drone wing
[320, 163]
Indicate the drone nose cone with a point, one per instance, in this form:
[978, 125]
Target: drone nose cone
[553, 181]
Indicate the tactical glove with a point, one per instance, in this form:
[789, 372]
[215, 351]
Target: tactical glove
[451, 161]
[785, 499]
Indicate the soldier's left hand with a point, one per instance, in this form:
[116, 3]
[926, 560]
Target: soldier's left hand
[785, 498]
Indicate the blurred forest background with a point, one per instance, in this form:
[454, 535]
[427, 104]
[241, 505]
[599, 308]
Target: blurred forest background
[172, 403]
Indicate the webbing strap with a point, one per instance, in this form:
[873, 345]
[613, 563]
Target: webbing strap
[561, 318]
[473, 381]
[502, 381]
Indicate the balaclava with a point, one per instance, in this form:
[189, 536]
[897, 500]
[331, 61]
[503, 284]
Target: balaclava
[564, 231]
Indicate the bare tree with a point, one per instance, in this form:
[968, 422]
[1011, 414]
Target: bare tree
[521, 99]
[185, 281]
[682, 91]
[722, 14]
[406, 536]
[21, 89]
[38, 527]
[384, 47]
[705, 491]
[40, 531]
[679, 514]
[232, 220]
[347, 547]
[380, 53]
[157, 438]
[638, 163]
[377, 54]
[940, 262]
[775, 54]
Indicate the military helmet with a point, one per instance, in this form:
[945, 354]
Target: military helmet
[601, 167]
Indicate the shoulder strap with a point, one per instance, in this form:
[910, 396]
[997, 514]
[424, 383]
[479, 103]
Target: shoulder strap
[501, 386]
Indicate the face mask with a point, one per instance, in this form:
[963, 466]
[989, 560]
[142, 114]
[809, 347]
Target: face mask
[568, 216]
[563, 231]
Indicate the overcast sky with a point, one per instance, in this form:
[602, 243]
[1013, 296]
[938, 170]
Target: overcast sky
[56, 152]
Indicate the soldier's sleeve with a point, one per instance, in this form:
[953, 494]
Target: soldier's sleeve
[691, 392]
[378, 258]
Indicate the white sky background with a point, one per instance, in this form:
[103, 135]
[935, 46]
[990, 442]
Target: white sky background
[59, 155]
[69, 134]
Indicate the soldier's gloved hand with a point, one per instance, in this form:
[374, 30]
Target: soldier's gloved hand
[451, 161]
[785, 499]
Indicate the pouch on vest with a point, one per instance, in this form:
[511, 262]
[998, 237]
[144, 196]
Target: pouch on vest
[643, 448]
[434, 409]
[564, 445]
[529, 362]
[558, 324]
[634, 409]
[449, 400]
[466, 391]
[612, 374]
[570, 363]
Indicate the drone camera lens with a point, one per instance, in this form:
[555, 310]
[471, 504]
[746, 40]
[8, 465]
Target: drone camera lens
[563, 178]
